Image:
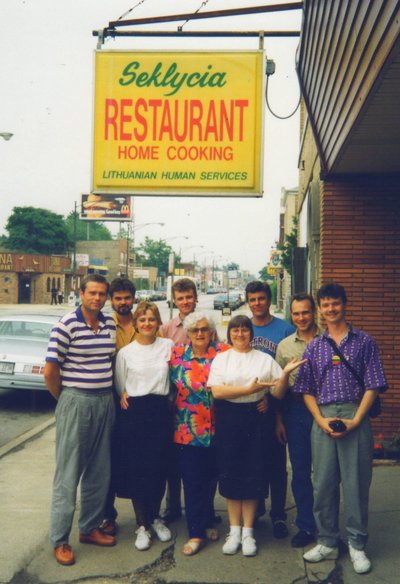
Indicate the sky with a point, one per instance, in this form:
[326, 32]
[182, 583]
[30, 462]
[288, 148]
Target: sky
[46, 67]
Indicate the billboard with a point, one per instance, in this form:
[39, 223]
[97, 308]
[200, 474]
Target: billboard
[178, 123]
[96, 207]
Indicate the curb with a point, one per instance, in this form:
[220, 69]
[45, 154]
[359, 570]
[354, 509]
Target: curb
[30, 435]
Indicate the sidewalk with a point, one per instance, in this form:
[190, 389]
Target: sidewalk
[27, 558]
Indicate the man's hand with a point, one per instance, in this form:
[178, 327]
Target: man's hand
[280, 430]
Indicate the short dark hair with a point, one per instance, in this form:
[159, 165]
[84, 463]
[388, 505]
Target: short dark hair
[331, 290]
[240, 321]
[98, 278]
[184, 285]
[302, 297]
[122, 285]
[258, 286]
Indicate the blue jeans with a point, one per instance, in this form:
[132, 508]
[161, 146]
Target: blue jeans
[298, 423]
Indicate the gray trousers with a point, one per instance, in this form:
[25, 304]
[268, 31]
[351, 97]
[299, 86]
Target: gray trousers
[84, 420]
[348, 461]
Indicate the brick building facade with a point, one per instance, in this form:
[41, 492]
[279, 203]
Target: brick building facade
[349, 203]
[29, 278]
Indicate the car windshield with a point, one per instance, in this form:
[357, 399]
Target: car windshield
[18, 328]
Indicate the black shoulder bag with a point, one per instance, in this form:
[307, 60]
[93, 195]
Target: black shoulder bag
[376, 408]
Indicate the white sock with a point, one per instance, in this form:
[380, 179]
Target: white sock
[235, 530]
[247, 531]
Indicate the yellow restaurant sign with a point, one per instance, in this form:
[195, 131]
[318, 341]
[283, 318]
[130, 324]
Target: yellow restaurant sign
[178, 123]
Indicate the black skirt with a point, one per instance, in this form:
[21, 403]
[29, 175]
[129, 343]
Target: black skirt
[241, 439]
[144, 437]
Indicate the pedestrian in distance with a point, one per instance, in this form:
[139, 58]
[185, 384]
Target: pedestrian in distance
[340, 382]
[53, 295]
[78, 373]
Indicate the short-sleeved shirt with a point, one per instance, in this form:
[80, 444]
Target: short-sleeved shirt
[325, 376]
[84, 355]
[123, 338]
[144, 369]
[194, 422]
[267, 337]
[173, 329]
[292, 347]
[240, 369]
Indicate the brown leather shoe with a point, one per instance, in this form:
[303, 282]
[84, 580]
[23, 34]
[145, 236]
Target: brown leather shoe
[97, 537]
[109, 526]
[64, 554]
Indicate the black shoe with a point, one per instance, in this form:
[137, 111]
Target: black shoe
[170, 516]
[302, 538]
[279, 529]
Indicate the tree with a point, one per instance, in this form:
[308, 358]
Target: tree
[97, 231]
[287, 249]
[35, 230]
[155, 253]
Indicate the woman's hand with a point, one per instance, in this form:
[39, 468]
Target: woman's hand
[256, 385]
[262, 405]
[124, 403]
[293, 364]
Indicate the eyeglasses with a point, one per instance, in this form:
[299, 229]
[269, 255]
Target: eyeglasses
[202, 329]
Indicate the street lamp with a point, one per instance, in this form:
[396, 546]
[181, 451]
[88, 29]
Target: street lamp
[131, 231]
[6, 136]
[194, 257]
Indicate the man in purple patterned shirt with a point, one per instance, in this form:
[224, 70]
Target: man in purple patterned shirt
[333, 394]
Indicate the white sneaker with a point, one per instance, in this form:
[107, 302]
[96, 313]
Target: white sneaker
[161, 530]
[361, 563]
[321, 552]
[231, 545]
[143, 539]
[249, 547]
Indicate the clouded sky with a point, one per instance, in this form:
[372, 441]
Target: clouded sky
[46, 66]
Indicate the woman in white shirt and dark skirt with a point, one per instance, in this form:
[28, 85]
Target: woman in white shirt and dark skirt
[239, 379]
[144, 424]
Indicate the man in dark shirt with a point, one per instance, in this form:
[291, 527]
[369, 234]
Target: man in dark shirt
[339, 397]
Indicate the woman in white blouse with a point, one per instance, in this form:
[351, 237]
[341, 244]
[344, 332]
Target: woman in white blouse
[239, 379]
[144, 424]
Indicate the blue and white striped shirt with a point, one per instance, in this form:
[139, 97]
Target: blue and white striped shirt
[84, 356]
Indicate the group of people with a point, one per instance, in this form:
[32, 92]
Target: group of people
[57, 296]
[140, 402]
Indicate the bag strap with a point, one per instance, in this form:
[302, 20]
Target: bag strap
[345, 361]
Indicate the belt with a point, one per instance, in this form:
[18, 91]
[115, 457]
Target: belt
[342, 403]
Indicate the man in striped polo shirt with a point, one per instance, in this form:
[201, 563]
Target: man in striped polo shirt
[79, 375]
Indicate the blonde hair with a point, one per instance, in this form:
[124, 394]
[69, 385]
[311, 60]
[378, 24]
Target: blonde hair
[142, 308]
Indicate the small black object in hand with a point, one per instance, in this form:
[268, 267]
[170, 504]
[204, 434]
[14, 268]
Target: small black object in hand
[338, 426]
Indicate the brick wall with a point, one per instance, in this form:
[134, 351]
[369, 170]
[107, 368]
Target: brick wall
[360, 249]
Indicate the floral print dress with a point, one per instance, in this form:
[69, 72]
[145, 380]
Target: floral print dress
[194, 423]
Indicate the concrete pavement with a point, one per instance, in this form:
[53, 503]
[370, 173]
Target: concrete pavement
[26, 470]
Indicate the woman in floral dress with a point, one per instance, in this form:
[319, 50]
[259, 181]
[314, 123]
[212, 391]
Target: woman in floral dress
[194, 427]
